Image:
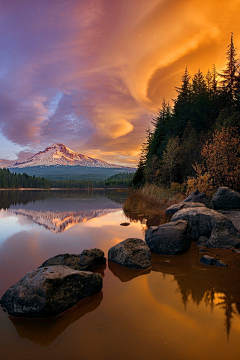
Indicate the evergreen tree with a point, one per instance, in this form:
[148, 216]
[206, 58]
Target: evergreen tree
[230, 75]
[181, 114]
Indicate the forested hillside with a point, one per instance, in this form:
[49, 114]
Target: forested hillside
[197, 139]
[9, 180]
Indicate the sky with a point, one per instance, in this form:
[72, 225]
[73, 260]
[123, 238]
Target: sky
[91, 74]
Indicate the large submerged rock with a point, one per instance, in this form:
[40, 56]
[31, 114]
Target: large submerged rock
[211, 224]
[132, 253]
[169, 239]
[85, 261]
[202, 220]
[209, 260]
[49, 291]
[224, 235]
[226, 198]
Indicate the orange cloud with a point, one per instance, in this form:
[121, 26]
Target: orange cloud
[108, 64]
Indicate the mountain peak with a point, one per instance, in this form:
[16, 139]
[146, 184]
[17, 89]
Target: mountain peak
[58, 154]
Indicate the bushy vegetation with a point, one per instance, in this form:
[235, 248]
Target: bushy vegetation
[150, 202]
[196, 141]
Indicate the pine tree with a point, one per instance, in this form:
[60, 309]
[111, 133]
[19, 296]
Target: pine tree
[214, 79]
[230, 81]
[185, 88]
[181, 113]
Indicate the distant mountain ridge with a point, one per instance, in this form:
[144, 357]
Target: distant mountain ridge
[59, 155]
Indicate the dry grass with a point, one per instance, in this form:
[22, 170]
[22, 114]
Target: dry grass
[150, 202]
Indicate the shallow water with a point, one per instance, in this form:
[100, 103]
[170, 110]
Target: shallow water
[179, 309]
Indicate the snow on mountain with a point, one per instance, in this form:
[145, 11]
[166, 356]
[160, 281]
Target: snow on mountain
[59, 154]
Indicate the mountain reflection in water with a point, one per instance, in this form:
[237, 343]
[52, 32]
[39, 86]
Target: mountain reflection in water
[59, 222]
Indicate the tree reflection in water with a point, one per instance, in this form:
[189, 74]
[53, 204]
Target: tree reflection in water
[22, 197]
[216, 286]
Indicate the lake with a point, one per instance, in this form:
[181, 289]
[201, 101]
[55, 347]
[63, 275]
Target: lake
[180, 309]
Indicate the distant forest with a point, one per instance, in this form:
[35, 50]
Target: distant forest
[9, 180]
[196, 141]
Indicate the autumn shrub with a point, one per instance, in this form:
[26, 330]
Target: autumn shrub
[221, 158]
[202, 182]
[178, 188]
[220, 163]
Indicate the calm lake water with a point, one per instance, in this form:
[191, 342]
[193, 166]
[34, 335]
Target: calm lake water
[180, 309]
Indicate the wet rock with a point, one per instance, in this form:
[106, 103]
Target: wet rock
[226, 198]
[125, 224]
[182, 205]
[224, 235]
[203, 221]
[198, 197]
[203, 250]
[132, 253]
[209, 260]
[49, 291]
[70, 260]
[90, 258]
[202, 241]
[169, 239]
[237, 251]
[85, 261]
[44, 331]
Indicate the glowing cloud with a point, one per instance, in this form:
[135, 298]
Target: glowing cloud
[92, 74]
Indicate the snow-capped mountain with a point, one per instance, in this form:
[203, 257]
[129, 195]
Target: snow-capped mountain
[59, 154]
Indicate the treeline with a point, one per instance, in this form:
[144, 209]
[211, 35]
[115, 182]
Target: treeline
[120, 179]
[197, 137]
[9, 180]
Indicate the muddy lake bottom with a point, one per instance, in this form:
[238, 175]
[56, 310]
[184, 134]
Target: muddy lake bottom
[178, 309]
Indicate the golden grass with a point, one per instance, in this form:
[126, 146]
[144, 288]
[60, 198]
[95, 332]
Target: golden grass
[150, 202]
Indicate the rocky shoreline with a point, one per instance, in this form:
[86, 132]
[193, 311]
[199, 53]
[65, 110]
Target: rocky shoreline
[64, 280]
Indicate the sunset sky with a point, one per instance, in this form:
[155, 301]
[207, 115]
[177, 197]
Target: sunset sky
[91, 74]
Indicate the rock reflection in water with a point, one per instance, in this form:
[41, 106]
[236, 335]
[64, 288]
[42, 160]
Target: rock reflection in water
[149, 219]
[197, 282]
[45, 331]
[125, 274]
[100, 269]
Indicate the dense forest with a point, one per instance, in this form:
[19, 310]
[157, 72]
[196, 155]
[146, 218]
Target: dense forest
[196, 141]
[9, 180]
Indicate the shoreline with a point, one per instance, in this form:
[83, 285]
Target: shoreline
[57, 189]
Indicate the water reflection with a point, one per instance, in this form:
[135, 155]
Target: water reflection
[142, 313]
[150, 219]
[58, 222]
[23, 197]
[58, 211]
[125, 274]
[216, 287]
[45, 331]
